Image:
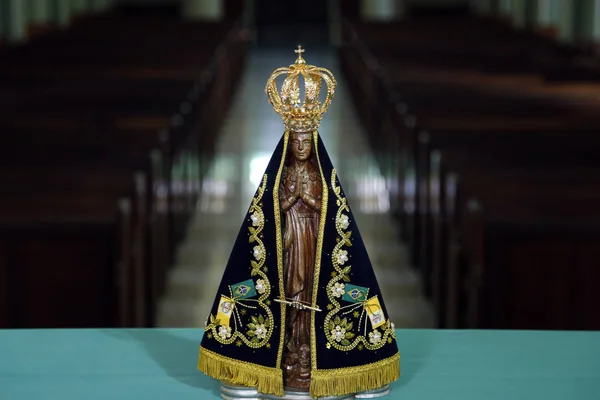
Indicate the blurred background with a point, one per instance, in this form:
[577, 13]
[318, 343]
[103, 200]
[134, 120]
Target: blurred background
[465, 133]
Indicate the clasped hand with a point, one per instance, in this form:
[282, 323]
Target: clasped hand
[301, 194]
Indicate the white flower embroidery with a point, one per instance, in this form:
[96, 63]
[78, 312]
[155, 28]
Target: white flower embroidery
[260, 331]
[260, 286]
[258, 253]
[375, 337]
[338, 289]
[342, 257]
[338, 333]
[224, 332]
[256, 218]
[344, 221]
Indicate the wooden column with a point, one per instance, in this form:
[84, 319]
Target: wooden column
[99, 5]
[481, 6]
[566, 21]
[335, 21]
[596, 21]
[505, 7]
[40, 14]
[519, 13]
[546, 17]
[3, 22]
[585, 13]
[79, 8]
[16, 21]
[382, 10]
[212, 10]
[63, 12]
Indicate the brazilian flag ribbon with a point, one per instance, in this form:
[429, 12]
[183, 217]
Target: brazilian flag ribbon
[355, 294]
[243, 290]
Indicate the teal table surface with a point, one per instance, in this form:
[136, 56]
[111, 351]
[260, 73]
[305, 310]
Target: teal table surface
[161, 364]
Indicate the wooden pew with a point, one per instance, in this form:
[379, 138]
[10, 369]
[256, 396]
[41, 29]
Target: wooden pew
[555, 162]
[142, 148]
[492, 222]
[520, 138]
[29, 190]
[472, 39]
[375, 58]
[520, 143]
[455, 108]
[147, 101]
[570, 134]
[47, 261]
[104, 111]
[475, 118]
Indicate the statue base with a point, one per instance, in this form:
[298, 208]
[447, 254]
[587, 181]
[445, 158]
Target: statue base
[235, 392]
[373, 394]
[295, 394]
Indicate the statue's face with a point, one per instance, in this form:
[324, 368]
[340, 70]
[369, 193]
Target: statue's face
[301, 145]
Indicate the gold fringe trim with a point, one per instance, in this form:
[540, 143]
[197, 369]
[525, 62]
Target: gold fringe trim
[342, 381]
[266, 380]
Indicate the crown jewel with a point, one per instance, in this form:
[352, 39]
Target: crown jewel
[300, 116]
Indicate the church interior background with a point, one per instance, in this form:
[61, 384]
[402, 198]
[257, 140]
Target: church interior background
[130, 156]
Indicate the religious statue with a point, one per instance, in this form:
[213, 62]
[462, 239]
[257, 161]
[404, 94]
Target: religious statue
[299, 313]
[301, 202]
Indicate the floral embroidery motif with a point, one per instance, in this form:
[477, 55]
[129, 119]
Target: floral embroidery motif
[257, 218]
[260, 286]
[342, 257]
[257, 252]
[338, 290]
[338, 333]
[257, 326]
[340, 320]
[224, 332]
[375, 337]
[341, 330]
[343, 221]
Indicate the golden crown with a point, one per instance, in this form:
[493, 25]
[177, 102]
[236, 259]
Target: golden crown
[300, 116]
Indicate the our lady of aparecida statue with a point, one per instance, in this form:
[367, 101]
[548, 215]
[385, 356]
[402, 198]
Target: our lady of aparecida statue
[299, 311]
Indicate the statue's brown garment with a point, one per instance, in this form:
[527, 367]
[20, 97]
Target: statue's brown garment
[300, 196]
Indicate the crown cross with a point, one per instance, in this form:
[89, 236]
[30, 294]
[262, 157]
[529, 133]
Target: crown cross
[298, 115]
[299, 51]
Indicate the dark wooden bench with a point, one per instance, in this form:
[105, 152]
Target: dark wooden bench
[500, 237]
[101, 140]
[521, 140]
[490, 135]
[68, 268]
[140, 144]
[31, 190]
[568, 132]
